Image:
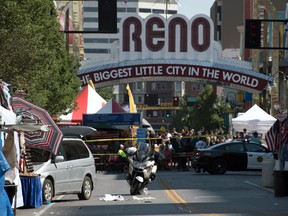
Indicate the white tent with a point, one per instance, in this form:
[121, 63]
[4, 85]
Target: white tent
[254, 119]
[7, 117]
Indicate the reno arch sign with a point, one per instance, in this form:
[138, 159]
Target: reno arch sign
[159, 38]
[177, 49]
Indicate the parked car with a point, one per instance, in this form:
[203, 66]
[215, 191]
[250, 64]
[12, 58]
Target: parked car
[71, 171]
[236, 155]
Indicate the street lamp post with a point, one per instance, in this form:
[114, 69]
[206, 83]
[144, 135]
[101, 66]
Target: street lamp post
[231, 96]
[282, 90]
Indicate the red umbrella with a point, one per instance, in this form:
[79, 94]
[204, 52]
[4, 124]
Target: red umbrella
[32, 114]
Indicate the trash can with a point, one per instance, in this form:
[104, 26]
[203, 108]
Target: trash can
[280, 183]
[267, 173]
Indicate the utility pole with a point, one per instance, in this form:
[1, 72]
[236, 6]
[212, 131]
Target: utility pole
[275, 56]
[255, 52]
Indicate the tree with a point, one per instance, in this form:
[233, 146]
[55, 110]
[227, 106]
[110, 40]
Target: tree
[207, 112]
[181, 118]
[106, 92]
[33, 55]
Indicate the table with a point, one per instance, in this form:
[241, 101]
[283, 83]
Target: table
[32, 191]
[11, 190]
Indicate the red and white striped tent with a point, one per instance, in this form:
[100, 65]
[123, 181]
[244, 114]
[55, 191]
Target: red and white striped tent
[88, 102]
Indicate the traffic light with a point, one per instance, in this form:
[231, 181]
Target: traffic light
[175, 101]
[253, 34]
[107, 16]
[168, 114]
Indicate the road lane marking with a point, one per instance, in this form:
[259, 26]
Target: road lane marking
[48, 206]
[172, 194]
[258, 186]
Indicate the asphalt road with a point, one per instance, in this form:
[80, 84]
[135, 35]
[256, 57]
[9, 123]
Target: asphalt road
[174, 193]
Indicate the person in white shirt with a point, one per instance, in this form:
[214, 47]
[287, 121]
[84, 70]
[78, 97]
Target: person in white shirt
[201, 144]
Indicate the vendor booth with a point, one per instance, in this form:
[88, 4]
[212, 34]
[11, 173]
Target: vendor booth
[254, 119]
[88, 102]
[7, 188]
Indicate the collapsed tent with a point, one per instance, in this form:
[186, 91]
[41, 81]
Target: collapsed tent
[88, 102]
[254, 119]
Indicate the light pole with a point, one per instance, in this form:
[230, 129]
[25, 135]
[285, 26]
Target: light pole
[282, 90]
[231, 96]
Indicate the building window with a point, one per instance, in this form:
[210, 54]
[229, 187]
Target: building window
[90, 19]
[121, 9]
[139, 86]
[121, 98]
[139, 99]
[149, 113]
[155, 113]
[90, 29]
[90, 9]
[219, 17]
[144, 10]
[178, 86]
[131, 10]
[158, 11]
[153, 86]
[122, 88]
[103, 51]
[172, 12]
[95, 40]
[158, 86]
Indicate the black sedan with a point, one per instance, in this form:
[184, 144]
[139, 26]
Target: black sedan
[236, 155]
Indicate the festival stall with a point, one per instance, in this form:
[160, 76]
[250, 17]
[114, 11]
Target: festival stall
[254, 119]
[7, 188]
[40, 131]
[88, 102]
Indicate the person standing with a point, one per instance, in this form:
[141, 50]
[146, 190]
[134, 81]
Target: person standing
[201, 144]
[121, 151]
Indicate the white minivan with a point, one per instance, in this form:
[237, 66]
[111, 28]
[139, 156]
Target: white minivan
[71, 171]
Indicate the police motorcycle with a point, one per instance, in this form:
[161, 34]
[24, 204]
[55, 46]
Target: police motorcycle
[142, 168]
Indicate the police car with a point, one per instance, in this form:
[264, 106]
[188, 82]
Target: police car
[236, 155]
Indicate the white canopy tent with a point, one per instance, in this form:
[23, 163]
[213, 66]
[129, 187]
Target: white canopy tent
[254, 119]
[7, 117]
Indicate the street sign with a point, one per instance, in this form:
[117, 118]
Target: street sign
[192, 99]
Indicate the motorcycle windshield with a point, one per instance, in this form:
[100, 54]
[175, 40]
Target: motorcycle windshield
[142, 151]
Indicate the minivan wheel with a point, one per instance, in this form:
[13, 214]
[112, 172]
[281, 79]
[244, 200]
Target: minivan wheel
[86, 190]
[47, 191]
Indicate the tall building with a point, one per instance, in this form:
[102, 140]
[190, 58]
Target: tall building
[99, 45]
[229, 18]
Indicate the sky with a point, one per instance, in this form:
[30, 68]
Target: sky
[190, 8]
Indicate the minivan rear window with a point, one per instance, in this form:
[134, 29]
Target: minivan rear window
[75, 150]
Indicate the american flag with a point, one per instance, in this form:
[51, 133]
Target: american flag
[273, 136]
[285, 131]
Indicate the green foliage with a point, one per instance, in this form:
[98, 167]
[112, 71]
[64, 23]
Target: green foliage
[33, 55]
[207, 112]
[106, 92]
